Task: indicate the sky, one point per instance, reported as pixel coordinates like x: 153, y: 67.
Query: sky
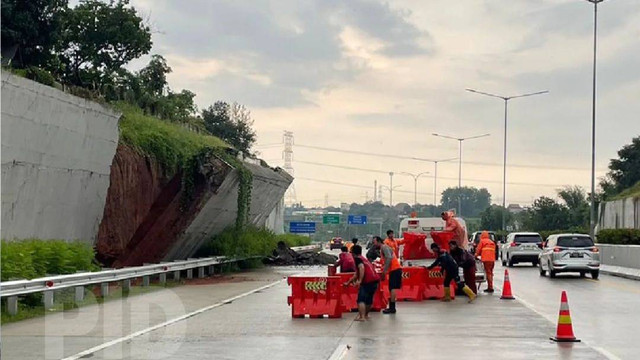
x: 381, y: 77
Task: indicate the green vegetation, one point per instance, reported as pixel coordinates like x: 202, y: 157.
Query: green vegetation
x: 168, y: 143
x: 34, y: 258
x: 633, y: 192
x: 250, y: 241
x: 619, y: 236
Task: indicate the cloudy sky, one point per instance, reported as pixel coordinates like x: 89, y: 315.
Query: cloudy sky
x: 381, y: 77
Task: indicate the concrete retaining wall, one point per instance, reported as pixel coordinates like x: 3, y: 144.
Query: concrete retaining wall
x: 620, y: 255
x: 620, y: 214
x: 56, y: 155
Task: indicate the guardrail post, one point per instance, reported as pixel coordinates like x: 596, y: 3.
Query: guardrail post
x: 104, y: 289
x: 189, y: 273
x: 201, y: 272
x: 162, y: 278
x: 47, y: 299
x: 79, y: 294
x: 126, y: 285
x: 146, y: 280
x: 212, y: 270
x: 176, y: 275
x: 12, y: 305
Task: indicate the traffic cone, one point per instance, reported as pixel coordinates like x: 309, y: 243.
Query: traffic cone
x: 506, y: 287
x: 564, y: 333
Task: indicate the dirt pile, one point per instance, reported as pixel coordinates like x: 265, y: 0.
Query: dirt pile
x: 285, y: 256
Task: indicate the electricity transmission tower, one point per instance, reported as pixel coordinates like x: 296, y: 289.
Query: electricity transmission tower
x: 287, y: 155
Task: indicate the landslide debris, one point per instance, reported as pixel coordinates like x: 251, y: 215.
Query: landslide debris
x: 285, y: 256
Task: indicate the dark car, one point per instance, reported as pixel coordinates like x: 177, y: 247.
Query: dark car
x: 336, y: 243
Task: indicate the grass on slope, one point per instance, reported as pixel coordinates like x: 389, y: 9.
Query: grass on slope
x: 169, y: 143
x: 633, y: 191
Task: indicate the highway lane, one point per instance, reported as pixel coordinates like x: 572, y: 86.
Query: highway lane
x: 605, y: 312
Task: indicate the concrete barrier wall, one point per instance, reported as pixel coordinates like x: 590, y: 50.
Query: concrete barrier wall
x: 56, y: 155
x: 620, y: 255
x: 620, y: 214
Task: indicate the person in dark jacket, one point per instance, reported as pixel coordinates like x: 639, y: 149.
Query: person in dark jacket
x: 468, y: 264
x: 450, y: 269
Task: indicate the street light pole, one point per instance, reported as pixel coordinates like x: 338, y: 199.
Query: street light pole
x: 415, y: 184
x: 390, y: 191
x: 460, y: 140
x: 504, y: 161
x: 391, y: 188
x: 592, y: 208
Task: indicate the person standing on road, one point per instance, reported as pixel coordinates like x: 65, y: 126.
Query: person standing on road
x: 467, y: 262
x: 452, y: 224
x: 486, y: 250
x: 391, y: 266
x: 367, y: 279
x: 346, y: 261
x: 450, y: 269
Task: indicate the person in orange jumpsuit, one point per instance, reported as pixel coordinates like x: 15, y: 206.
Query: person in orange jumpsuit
x: 486, y: 250
x: 453, y: 225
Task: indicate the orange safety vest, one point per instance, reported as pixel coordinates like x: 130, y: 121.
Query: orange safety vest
x: 486, y: 250
x: 393, y: 244
x: 395, y: 263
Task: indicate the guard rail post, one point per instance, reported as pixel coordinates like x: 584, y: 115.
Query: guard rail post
x: 189, y: 273
x: 146, y: 280
x: 104, y: 289
x: 126, y: 285
x: 12, y: 305
x: 176, y: 275
x: 201, y: 272
x: 47, y: 299
x: 79, y: 294
x: 162, y: 278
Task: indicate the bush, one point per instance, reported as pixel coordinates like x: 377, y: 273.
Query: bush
x: 250, y: 241
x: 619, y: 236
x: 39, y: 75
x: 34, y: 258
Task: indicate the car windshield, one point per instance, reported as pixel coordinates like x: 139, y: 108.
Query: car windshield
x: 575, y: 241
x: 527, y: 239
x: 492, y: 236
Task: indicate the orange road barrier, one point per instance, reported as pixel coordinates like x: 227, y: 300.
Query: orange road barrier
x: 442, y: 238
x: 434, y: 284
x: 380, y: 301
x: 564, y: 332
x: 506, y: 287
x: 413, y: 284
x: 349, y: 297
x: 315, y: 296
x: 415, y: 246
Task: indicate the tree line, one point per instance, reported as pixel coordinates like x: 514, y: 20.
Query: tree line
x: 86, y: 48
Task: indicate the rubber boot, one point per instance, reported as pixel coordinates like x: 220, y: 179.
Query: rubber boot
x: 467, y: 290
x: 447, y: 295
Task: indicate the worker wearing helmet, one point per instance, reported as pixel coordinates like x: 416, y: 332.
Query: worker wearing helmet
x: 459, y: 232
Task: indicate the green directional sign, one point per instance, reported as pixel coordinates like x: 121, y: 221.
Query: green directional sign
x: 331, y: 219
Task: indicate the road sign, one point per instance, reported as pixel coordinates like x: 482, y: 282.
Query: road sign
x: 302, y: 227
x: 331, y: 219
x: 357, y: 219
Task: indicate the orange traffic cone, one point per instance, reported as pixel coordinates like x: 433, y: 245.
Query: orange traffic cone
x: 506, y: 287
x: 564, y: 333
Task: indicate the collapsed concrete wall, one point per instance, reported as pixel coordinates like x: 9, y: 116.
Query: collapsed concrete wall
x: 220, y: 210
x: 56, y: 155
x: 620, y: 214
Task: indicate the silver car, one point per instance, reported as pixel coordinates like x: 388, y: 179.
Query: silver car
x: 521, y: 247
x: 570, y: 253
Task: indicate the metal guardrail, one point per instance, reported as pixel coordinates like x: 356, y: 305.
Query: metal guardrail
x: 49, y: 284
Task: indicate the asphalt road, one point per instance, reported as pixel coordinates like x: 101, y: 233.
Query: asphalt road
x: 251, y: 320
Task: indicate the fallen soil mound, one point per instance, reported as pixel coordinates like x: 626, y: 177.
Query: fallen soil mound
x: 285, y: 256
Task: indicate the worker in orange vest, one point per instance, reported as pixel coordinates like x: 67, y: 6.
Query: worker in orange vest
x: 453, y: 225
x: 391, y: 266
x: 486, y: 250
x: 394, y: 243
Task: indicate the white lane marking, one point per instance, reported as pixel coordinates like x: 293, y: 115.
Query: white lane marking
x: 553, y: 320
x: 166, y: 323
x: 340, y: 352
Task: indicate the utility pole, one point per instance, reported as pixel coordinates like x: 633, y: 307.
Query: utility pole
x: 391, y: 189
x: 375, y: 190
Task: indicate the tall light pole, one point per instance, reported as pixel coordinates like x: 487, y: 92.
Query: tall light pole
x: 460, y: 140
x: 504, y: 159
x: 415, y: 185
x: 592, y: 209
x: 390, y: 191
x: 391, y: 188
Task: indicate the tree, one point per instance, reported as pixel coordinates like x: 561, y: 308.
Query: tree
x: 154, y: 76
x: 231, y: 123
x: 546, y: 214
x: 98, y: 38
x: 474, y: 200
x: 491, y: 217
x: 33, y: 27
x: 624, y: 172
x: 575, y: 198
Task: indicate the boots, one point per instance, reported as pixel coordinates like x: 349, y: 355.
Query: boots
x: 447, y: 295
x: 467, y: 290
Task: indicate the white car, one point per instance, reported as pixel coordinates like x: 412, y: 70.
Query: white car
x: 521, y: 247
x: 570, y: 253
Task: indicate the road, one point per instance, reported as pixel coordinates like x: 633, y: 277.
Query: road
x: 233, y: 320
